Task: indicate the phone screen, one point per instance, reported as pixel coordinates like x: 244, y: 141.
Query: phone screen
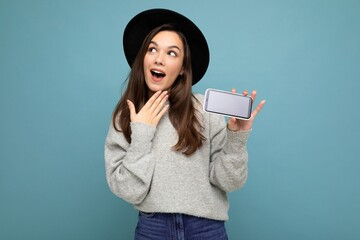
x: 228, y: 103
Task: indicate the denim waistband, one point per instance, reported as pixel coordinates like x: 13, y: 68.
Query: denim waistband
x: 177, y: 226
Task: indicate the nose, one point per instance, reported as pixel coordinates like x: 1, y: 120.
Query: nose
x: 159, y: 60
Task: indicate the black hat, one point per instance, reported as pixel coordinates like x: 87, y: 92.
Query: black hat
x: 138, y: 27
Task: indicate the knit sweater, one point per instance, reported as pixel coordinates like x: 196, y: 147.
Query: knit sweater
x: 155, y: 178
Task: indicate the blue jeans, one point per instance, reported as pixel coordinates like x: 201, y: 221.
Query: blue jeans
x: 174, y: 226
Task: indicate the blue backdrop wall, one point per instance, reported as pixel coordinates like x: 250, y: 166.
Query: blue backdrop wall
x: 61, y: 72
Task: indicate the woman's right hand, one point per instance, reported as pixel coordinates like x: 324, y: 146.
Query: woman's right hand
x: 152, y: 111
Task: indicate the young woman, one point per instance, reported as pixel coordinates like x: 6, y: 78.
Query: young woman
x: 163, y: 153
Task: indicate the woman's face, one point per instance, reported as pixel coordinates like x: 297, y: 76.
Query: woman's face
x: 163, y: 61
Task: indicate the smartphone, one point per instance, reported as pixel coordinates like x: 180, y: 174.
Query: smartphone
x: 228, y: 104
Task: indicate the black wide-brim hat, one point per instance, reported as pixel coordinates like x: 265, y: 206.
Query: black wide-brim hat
x: 139, y: 26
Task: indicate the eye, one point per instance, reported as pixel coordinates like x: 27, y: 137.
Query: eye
x: 152, y: 49
x: 172, y: 53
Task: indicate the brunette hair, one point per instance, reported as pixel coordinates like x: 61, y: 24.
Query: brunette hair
x: 182, y: 112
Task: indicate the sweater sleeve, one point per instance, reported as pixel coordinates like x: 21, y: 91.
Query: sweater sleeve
x: 130, y: 167
x: 228, y: 155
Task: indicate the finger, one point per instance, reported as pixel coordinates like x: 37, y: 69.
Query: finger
x: 159, y: 101
x: 233, y: 90
x: 258, y: 108
x: 232, y: 123
x: 245, y: 92
x: 161, y: 113
x: 160, y: 105
x: 131, y: 108
x: 151, y: 101
x: 232, y: 120
x: 253, y: 95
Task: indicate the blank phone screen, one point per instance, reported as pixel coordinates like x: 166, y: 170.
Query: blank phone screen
x: 228, y: 104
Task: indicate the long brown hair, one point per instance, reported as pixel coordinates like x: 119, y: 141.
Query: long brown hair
x: 182, y: 112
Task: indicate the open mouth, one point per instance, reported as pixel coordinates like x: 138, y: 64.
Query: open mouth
x: 157, y: 74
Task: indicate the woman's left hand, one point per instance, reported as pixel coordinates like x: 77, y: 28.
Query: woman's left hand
x: 235, y: 124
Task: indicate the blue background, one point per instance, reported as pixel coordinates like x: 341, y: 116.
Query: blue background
x: 61, y: 73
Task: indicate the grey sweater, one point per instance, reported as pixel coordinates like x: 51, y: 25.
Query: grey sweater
x: 155, y: 178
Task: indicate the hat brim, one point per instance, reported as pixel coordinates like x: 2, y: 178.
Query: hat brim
x: 139, y: 26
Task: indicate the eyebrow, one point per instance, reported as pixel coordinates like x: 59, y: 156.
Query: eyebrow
x: 173, y: 46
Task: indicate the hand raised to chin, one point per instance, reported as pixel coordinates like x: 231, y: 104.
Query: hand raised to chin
x: 152, y: 111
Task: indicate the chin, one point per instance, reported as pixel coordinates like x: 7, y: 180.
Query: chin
x: 155, y: 88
